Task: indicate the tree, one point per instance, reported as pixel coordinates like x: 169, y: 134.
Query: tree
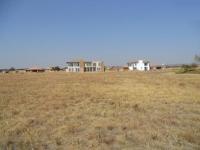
x: 56, y: 68
x: 197, y: 58
x: 12, y: 69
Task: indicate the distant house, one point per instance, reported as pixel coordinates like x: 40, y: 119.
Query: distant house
x: 84, y: 66
x: 140, y: 65
x: 35, y: 69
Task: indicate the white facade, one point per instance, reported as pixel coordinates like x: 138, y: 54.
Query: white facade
x: 84, y: 66
x: 73, y: 67
x: 139, y: 65
x: 93, y: 66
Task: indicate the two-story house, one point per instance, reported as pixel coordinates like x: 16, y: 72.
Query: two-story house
x: 84, y: 66
x: 140, y: 65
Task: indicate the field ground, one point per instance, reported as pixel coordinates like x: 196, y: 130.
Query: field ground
x: 121, y: 110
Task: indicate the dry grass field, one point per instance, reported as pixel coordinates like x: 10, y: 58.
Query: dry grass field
x: 121, y: 110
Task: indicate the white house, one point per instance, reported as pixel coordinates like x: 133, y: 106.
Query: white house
x: 85, y: 66
x: 139, y: 65
x: 73, y: 66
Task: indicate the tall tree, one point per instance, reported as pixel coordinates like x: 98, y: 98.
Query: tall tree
x: 197, y: 58
x: 56, y: 68
x: 12, y: 69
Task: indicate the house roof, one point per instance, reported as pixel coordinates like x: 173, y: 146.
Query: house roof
x: 132, y: 62
x: 81, y: 60
x: 75, y: 60
x: 35, y: 68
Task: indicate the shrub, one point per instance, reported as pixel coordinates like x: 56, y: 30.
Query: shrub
x: 188, y: 69
x: 12, y: 69
x: 56, y: 68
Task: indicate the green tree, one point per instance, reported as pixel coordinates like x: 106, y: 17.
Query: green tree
x: 56, y: 68
x: 197, y: 58
x: 12, y: 69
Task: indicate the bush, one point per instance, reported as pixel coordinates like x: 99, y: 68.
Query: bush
x: 188, y: 69
x: 12, y: 69
x: 57, y: 68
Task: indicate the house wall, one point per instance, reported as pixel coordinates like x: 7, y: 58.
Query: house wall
x: 131, y: 68
x: 140, y: 65
x: 81, y: 66
x: 73, y: 67
x: 94, y: 66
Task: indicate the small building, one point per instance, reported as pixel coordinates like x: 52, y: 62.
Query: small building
x: 140, y: 65
x: 84, y: 66
x: 35, y: 69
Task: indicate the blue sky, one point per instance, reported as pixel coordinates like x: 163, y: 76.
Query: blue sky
x: 50, y: 32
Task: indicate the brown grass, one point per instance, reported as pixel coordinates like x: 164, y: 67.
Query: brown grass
x: 122, y: 110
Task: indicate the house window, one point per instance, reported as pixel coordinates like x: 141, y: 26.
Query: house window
x: 75, y: 64
x: 87, y: 64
